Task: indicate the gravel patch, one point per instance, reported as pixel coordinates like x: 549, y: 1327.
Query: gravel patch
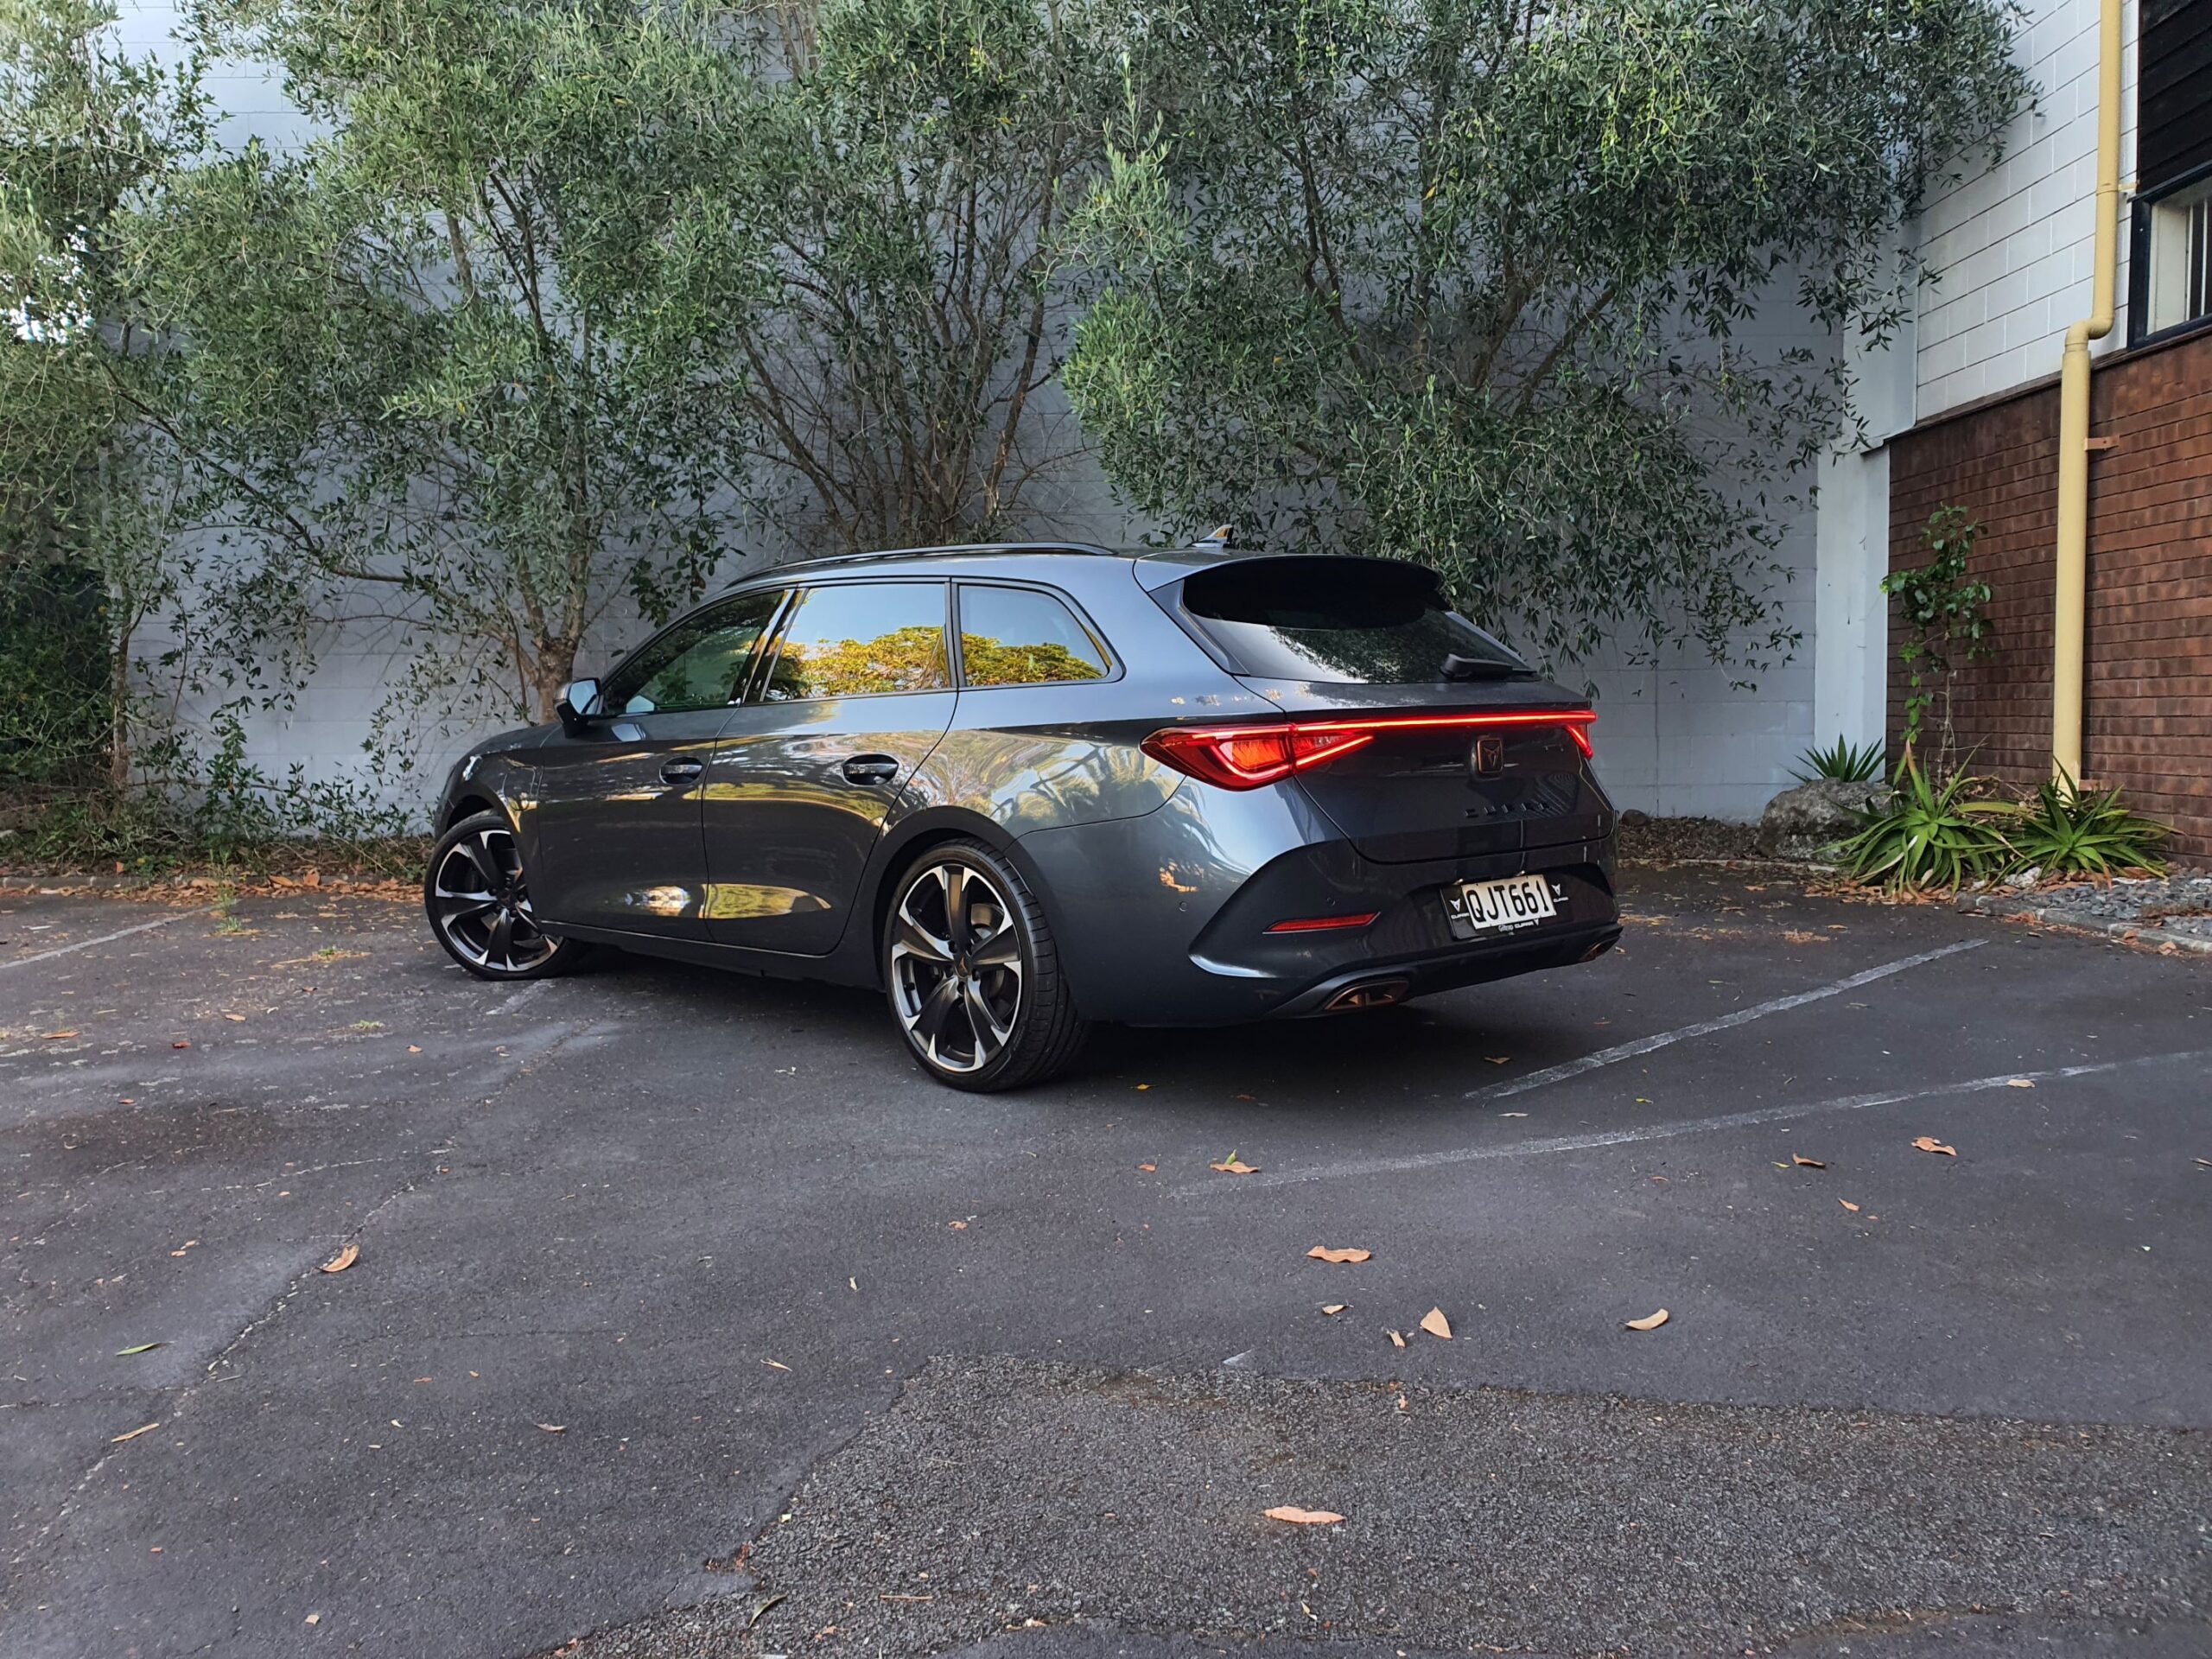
x: 2173, y: 910
x: 1002, y: 1495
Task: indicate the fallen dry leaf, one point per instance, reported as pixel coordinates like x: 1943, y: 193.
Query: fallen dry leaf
x: 1323, y: 1253
x: 1398, y: 1340
x: 235, y: 1018
x: 1930, y: 1143
x: 134, y: 1435
x: 2020, y: 1083
x: 179, y: 1043
x: 1849, y: 1205
x: 1436, y: 1324
x: 345, y: 1259
x: 1649, y: 1322
x: 58, y: 1036
x: 554, y: 1428
x: 1299, y: 1517
x: 775, y: 1364
x: 1804, y: 1162
x: 1499, y: 1059
x: 957, y: 1226
x: 1233, y: 1164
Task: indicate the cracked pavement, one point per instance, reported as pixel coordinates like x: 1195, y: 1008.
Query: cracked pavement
x: 653, y: 1257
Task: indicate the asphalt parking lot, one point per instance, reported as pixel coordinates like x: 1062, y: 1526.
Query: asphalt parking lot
x: 688, y: 1319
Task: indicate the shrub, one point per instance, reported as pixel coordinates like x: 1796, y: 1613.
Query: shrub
x: 1844, y: 762
x: 2068, y: 830
x: 1932, y: 835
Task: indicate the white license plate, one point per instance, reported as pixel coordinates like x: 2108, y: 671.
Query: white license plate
x: 1517, y: 901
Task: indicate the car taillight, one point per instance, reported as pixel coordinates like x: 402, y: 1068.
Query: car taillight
x: 1247, y: 757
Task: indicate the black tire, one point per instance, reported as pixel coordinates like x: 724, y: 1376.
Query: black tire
x: 981, y: 1003
x: 479, y: 904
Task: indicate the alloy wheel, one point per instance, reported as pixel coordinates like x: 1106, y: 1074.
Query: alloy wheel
x: 481, y: 906
x: 956, y: 967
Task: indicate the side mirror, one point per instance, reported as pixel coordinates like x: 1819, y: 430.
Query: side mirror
x: 579, y: 702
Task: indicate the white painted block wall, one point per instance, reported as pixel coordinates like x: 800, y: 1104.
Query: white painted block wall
x: 1676, y: 736
x: 2013, y: 243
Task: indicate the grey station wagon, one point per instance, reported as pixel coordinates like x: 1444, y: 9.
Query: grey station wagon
x: 1025, y: 788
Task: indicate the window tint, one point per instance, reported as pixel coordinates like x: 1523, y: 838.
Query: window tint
x: 863, y: 639
x: 698, y: 663
x: 1341, y: 621
x: 1016, y: 636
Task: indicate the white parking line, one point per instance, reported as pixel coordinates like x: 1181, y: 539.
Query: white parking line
x: 1687, y: 1126
x: 105, y: 939
x: 1621, y: 1052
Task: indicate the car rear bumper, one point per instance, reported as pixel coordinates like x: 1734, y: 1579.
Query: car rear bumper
x: 1378, y: 984
x: 1164, y: 919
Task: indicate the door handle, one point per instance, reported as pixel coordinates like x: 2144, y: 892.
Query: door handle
x: 681, y: 772
x: 870, y: 769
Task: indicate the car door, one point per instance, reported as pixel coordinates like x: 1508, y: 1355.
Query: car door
x: 855, y: 692
x: 617, y: 818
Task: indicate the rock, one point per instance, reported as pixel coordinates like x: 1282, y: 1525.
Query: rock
x: 1807, y: 822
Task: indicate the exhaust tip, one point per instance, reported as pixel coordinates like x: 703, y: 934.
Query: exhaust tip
x: 1597, y: 950
x: 1371, y: 994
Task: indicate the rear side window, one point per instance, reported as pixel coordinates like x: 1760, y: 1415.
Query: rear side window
x: 1341, y: 621
x: 1017, y: 636
x: 863, y: 639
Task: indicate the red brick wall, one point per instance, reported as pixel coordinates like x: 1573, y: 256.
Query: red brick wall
x: 2149, y: 694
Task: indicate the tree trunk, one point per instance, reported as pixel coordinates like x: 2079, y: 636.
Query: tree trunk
x: 118, y: 714
x: 555, y: 665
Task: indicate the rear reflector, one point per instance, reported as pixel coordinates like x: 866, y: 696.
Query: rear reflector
x: 1321, y: 923
x: 1247, y: 757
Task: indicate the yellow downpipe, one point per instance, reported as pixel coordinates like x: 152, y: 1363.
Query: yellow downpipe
x: 2070, y: 612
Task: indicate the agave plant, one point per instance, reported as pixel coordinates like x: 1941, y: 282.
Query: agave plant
x: 2069, y: 830
x: 1845, y: 761
x: 1932, y: 835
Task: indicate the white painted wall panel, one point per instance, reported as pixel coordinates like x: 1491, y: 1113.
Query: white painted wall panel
x: 2012, y: 245
x: 1674, y: 736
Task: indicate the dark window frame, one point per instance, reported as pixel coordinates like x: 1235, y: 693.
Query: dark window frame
x: 2139, y: 262
x: 1082, y: 619
x: 756, y: 693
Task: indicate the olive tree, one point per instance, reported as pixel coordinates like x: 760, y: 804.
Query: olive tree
x: 905, y: 180
x: 1469, y: 280
x: 452, y: 362
x: 85, y: 132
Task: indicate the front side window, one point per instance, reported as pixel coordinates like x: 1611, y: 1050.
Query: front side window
x: 698, y: 663
x: 863, y: 639
x: 1017, y: 636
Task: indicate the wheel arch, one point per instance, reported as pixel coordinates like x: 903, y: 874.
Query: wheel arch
x: 910, y: 840
x: 468, y: 803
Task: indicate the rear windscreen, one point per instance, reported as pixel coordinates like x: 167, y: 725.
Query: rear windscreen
x: 1365, y: 621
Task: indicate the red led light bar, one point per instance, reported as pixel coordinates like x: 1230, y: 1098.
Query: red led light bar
x: 1321, y: 924
x: 1248, y: 757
